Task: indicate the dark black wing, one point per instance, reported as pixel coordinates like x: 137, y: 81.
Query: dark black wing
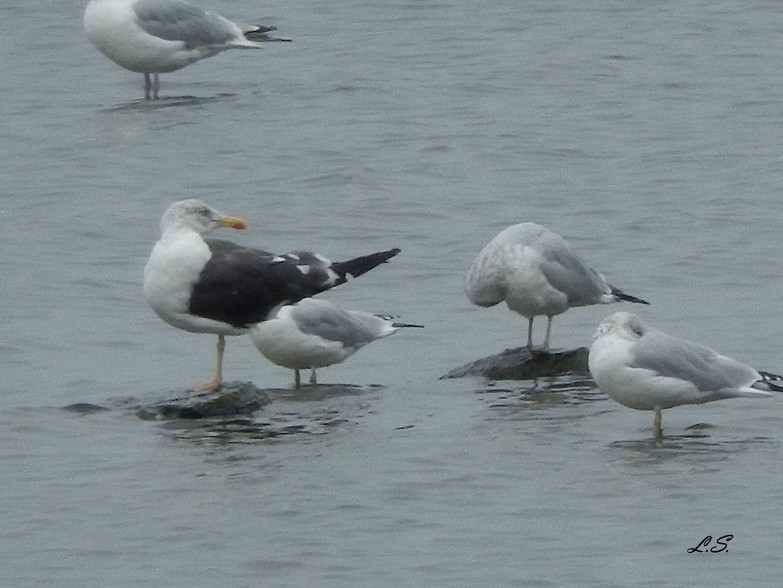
x: 241, y: 286
x: 338, y: 272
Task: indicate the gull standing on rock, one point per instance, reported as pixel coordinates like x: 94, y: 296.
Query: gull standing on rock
x: 645, y: 369
x: 161, y: 36
x: 537, y: 273
x: 317, y: 333
x: 214, y: 286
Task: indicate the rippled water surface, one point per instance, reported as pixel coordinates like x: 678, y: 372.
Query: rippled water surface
x: 648, y: 134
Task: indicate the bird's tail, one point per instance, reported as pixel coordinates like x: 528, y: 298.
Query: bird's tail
x: 627, y: 297
x: 357, y: 266
x: 260, y: 34
x: 773, y: 381
x: 389, y: 318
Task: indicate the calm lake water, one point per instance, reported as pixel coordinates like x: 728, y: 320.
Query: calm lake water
x: 648, y: 134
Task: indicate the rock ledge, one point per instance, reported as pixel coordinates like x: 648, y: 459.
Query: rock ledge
x: 230, y: 399
x: 522, y: 364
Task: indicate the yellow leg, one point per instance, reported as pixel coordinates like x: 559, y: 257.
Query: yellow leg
x: 221, y: 347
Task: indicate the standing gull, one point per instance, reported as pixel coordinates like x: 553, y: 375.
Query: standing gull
x: 214, y: 286
x: 317, y: 333
x: 537, y: 273
x: 160, y: 36
x: 646, y: 369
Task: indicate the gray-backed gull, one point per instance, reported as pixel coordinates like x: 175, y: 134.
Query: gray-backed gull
x: 317, y: 333
x: 646, y: 369
x: 160, y: 36
x: 537, y: 273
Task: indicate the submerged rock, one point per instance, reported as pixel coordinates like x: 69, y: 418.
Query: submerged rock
x: 230, y: 399
x: 522, y: 364
x: 84, y: 408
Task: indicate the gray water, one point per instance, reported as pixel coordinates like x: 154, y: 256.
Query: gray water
x: 647, y: 133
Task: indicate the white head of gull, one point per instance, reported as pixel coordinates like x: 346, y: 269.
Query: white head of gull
x: 645, y: 369
x: 207, y: 285
x: 160, y: 36
x: 536, y: 273
x: 317, y: 333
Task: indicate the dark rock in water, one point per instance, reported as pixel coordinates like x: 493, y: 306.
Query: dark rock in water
x: 230, y: 399
x: 84, y: 408
x: 522, y: 364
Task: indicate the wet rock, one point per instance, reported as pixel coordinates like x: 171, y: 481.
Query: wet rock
x: 84, y: 408
x: 314, y: 410
x: 229, y: 400
x: 522, y: 364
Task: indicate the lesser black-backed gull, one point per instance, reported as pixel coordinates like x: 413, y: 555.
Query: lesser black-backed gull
x: 161, y: 36
x: 317, y: 333
x: 215, y: 286
x: 645, y: 369
x: 537, y: 273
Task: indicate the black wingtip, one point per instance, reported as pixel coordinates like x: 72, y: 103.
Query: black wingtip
x: 774, y: 381
x: 407, y: 326
x: 627, y: 297
x: 361, y: 265
x: 260, y: 33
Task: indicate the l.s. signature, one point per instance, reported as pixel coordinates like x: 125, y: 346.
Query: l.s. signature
x: 721, y: 544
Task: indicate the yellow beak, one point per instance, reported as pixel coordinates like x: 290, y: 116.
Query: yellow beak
x: 232, y: 222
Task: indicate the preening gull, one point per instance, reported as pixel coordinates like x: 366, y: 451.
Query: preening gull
x: 160, y: 36
x: 646, y: 369
x: 537, y: 273
x: 214, y: 286
x: 317, y: 333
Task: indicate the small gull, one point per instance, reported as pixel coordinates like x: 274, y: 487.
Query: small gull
x: 317, y: 333
x: 215, y: 286
x: 161, y: 36
x: 537, y: 273
x: 646, y: 369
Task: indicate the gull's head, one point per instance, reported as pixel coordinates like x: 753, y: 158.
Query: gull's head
x: 197, y: 216
x: 621, y: 324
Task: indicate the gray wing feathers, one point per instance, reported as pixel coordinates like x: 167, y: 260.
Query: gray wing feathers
x: 333, y: 323
x: 532, y: 244
x: 178, y: 21
x: 676, y: 358
x: 568, y: 273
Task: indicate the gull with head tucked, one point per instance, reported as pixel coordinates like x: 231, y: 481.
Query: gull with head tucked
x: 536, y: 273
x: 160, y: 36
x: 645, y: 369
